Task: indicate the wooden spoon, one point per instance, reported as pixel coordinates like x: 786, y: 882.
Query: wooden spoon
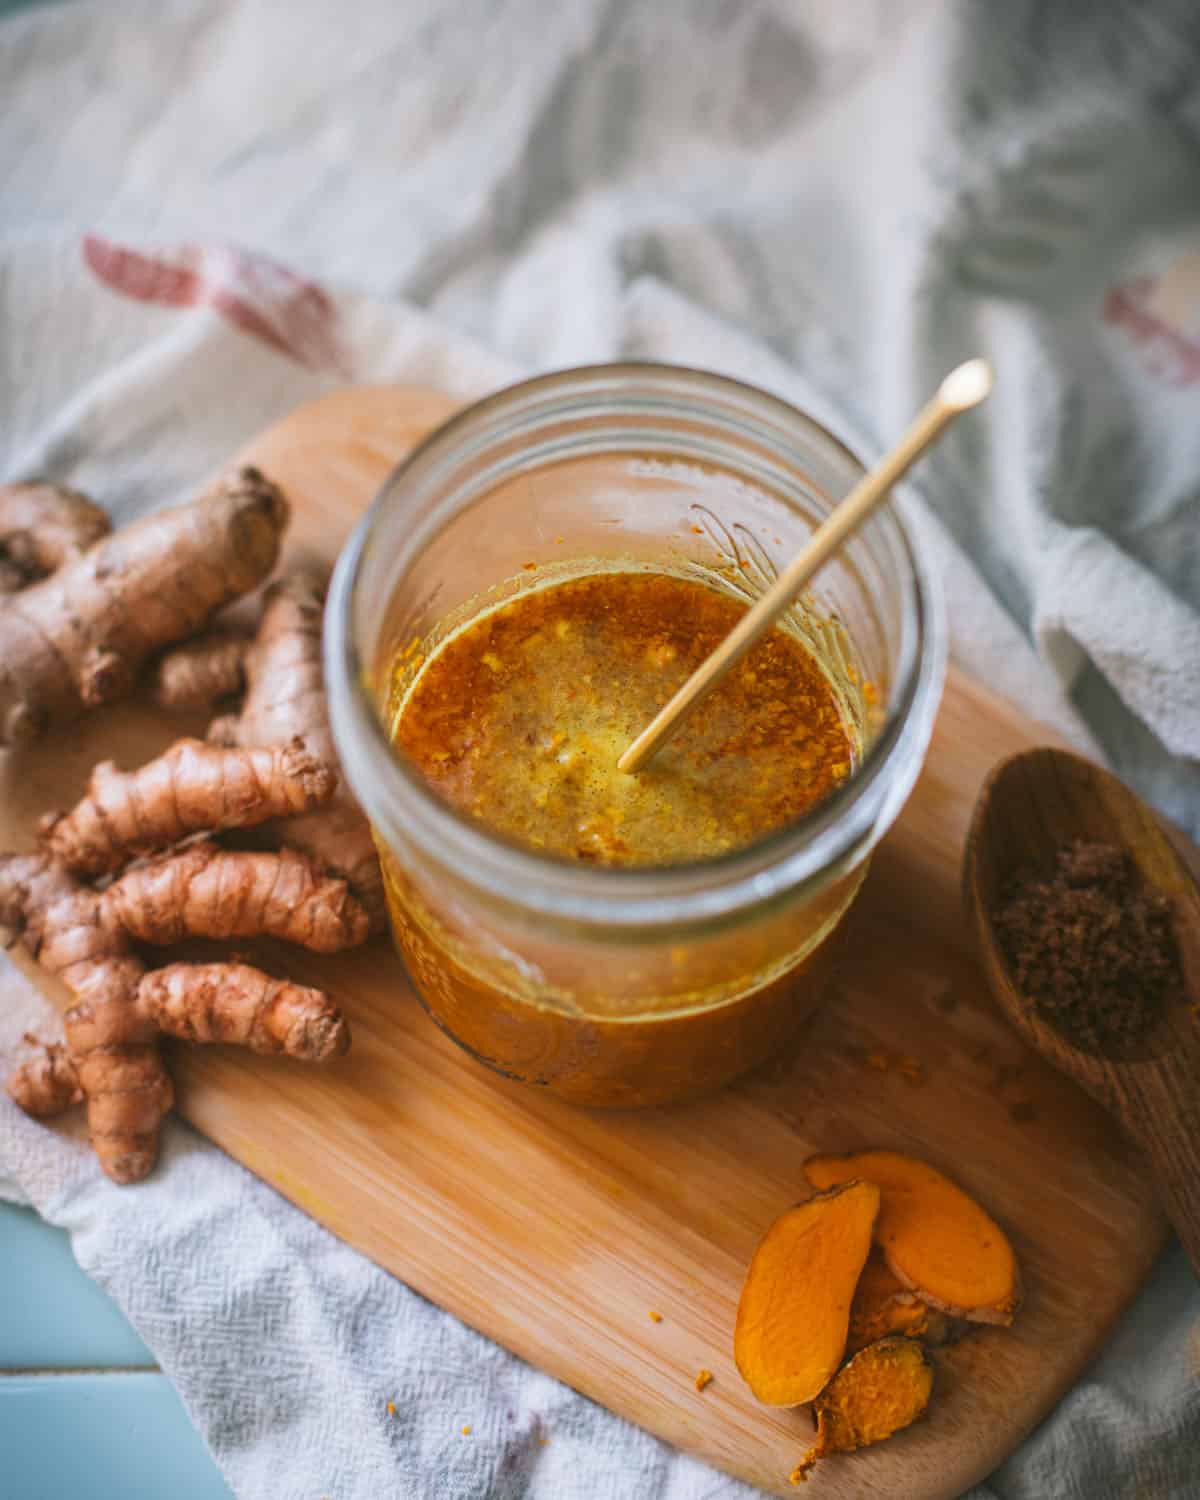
x: 1029, y: 807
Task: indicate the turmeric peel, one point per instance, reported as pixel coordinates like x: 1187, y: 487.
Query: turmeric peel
x: 935, y: 1239
x: 882, y: 1390
x: 794, y: 1312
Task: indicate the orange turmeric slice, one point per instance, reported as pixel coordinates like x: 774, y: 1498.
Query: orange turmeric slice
x: 794, y: 1312
x: 935, y: 1239
x: 883, y: 1305
x: 884, y: 1388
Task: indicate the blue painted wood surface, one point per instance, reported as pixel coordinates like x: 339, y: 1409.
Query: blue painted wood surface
x: 110, y: 1437
x: 112, y: 1433
x: 52, y: 1317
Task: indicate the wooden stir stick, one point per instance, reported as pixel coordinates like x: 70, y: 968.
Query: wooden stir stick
x: 962, y: 389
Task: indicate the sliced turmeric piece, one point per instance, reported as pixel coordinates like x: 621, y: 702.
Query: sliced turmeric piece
x: 935, y: 1239
x: 883, y: 1306
x: 884, y: 1388
x: 794, y: 1312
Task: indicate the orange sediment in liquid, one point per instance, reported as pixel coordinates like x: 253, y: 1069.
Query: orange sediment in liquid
x: 519, y: 717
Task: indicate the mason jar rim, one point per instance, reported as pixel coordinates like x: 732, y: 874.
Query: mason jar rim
x: 828, y: 840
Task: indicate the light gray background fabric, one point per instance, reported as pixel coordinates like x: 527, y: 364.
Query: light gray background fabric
x: 836, y: 201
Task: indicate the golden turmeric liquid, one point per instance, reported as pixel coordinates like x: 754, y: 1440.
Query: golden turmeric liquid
x: 519, y: 719
x: 516, y: 718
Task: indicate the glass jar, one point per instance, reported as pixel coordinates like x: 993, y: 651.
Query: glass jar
x: 613, y: 986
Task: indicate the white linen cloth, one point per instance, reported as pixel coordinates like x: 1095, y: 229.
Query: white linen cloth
x: 837, y: 202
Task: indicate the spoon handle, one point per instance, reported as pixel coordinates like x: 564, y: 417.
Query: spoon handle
x: 1160, y: 1104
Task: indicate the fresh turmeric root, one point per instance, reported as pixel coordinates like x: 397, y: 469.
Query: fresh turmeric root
x: 81, y: 613
x: 794, y: 1313
x: 49, y: 1083
x: 221, y: 1002
x: 112, y: 1048
x: 43, y: 527
x: 111, y: 1059
x: 210, y: 892
x: 882, y: 1390
x: 202, y: 672
x: 935, y: 1239
x: 239, y: 1004
x: 284, y: 697
x: 78, y: 638
x: 191, y: 788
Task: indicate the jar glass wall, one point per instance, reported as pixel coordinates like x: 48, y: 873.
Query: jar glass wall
x: 625, y: 986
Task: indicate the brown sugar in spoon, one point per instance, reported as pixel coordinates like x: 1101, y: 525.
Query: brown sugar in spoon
x: 1029, y: 808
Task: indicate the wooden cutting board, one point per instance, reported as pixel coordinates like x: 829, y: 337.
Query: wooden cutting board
x: 556, y: 1231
